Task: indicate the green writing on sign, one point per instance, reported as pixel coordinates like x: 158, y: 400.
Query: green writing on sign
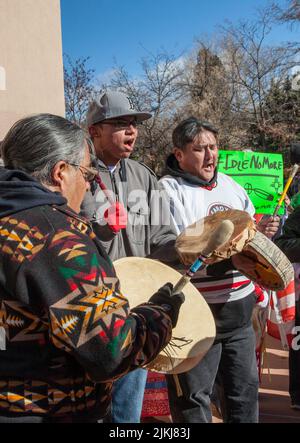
x: 260, y: 174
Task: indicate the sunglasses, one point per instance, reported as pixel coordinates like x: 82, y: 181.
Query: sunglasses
x: 89, y: 173
x: 121, y: 123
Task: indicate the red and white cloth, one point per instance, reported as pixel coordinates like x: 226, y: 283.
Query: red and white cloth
x: 281, y: 319
x: 262, y: 296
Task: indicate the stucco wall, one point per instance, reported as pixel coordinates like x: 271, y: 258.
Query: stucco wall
x: 31, y: 70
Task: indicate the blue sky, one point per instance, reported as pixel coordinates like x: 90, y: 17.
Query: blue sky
x: 123, y: 30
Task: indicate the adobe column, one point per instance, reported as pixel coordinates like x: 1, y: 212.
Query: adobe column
x: 31, y: 66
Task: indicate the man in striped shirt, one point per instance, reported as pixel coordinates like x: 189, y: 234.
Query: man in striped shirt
x: 196, y: 189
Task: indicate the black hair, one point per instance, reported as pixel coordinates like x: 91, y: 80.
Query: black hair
x: 187, y: 130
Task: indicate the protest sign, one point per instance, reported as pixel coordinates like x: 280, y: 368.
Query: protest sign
x: 260, y: 174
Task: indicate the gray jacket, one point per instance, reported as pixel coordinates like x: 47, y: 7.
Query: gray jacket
x: 149, y: 230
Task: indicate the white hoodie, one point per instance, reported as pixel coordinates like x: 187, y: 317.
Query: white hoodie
x: 188, y: 204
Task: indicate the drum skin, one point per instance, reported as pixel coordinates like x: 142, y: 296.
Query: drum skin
x: 195, y: 331
x: 194, y: 239
x: 273, y: 270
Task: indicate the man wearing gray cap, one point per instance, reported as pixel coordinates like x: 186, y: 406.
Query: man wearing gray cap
x: 123, y: 213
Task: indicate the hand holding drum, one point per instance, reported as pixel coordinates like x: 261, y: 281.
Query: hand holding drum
x: 194, y: 331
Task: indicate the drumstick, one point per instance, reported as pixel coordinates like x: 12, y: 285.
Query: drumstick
x: 220, y: 236
x: 99, y: 181
x: 286, y: 188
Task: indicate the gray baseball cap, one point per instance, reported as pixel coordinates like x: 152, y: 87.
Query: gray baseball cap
x: 112, y: 104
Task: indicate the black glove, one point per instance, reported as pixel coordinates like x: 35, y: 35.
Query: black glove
x: 171, y: 303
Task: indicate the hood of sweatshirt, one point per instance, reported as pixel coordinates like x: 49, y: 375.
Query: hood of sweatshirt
x: 20, y: 191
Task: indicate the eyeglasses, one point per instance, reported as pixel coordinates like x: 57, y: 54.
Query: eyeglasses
x: 121, y: 123
x: 89, y: 173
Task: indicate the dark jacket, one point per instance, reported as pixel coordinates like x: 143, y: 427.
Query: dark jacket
x: 69, y: 330
x: 289, y: 240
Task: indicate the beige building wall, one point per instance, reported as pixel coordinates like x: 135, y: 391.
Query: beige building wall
x: 31, y: 67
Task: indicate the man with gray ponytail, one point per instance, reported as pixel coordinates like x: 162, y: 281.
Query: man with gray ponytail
x: 68, y: 329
